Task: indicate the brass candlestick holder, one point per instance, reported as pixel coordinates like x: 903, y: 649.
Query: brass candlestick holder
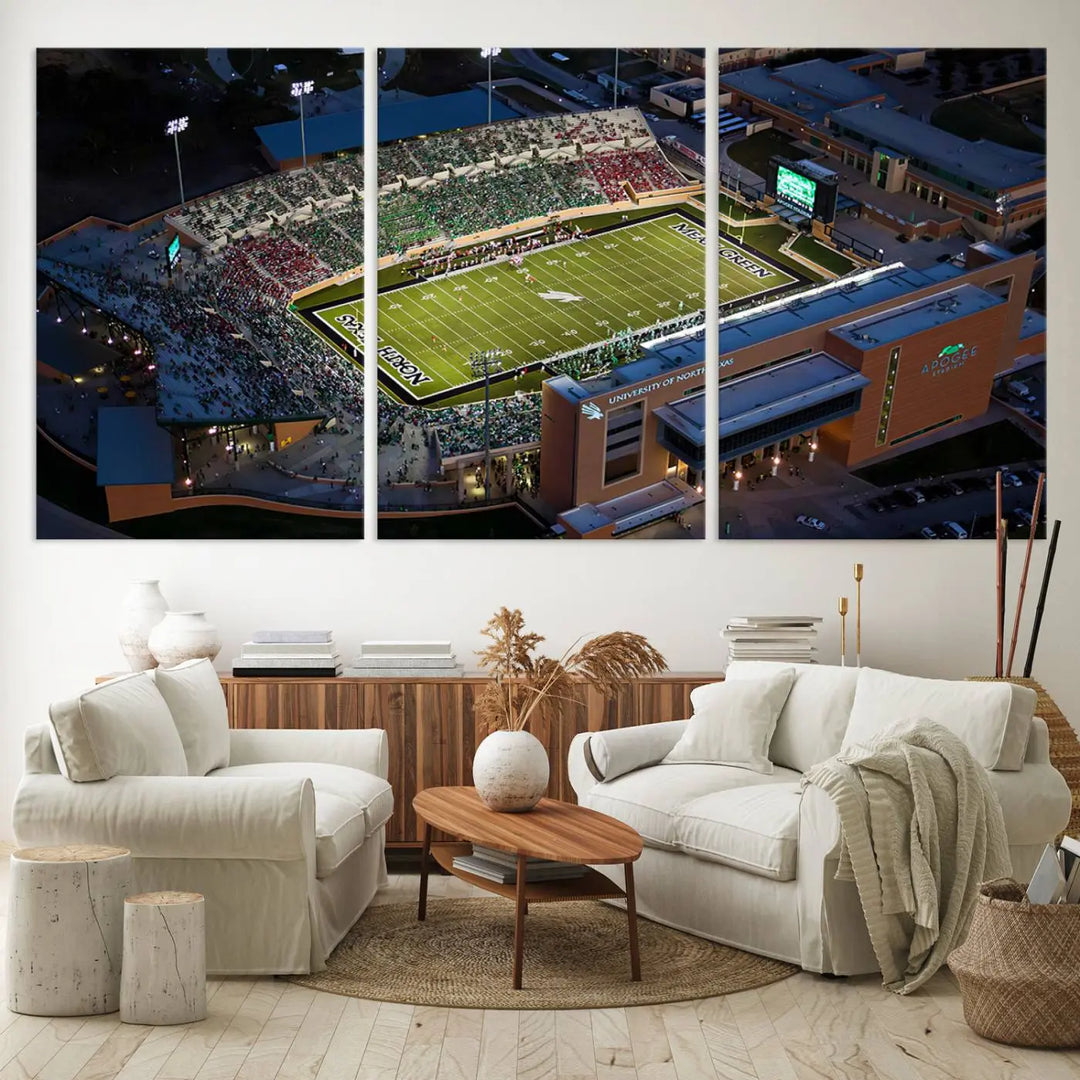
x: 842, y: 607
x: 858, y: 614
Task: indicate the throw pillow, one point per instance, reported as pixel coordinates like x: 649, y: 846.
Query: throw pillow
x: 992, y: 719
x: 733, y: 722
x: 815, y: 716
x: 121, y: 728
x: 193, y: 693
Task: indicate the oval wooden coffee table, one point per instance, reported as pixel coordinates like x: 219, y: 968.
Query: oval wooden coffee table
x: 551, y: 830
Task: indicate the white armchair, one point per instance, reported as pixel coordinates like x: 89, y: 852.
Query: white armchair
x: 286, y: 842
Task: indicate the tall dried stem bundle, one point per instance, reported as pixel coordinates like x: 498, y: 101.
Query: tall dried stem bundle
x: 527, y: 684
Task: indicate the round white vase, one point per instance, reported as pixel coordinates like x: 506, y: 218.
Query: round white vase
x: 184, y: 635
x: 510, y: 770
x: 143, y: 608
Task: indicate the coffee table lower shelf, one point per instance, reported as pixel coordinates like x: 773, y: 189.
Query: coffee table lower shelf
x: 591, y: 886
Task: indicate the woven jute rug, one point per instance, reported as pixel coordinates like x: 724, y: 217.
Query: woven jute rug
x: 1064, y: 744
x: 577, y: 956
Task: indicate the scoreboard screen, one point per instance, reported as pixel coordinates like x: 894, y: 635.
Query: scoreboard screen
x: 798, y: 189
x: 172, y: 252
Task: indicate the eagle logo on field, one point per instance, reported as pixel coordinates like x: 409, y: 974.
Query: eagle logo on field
x: 560, y: 297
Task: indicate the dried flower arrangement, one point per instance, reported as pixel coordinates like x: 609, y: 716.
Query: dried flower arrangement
x: 526, y: 684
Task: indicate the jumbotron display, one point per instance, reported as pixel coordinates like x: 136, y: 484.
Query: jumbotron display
x: 799, y: 189
x: 803, y: 185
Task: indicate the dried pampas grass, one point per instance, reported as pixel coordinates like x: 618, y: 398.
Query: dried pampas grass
x: 526, y: 684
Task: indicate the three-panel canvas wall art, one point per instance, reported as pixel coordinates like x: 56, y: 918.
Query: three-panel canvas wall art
x: 537, y: 286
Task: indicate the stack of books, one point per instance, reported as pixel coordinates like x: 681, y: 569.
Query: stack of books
x: 289, y: 654
x: 405, y: 659
x: 1056, y: 879
x: 787, y: 638
x: 501, y: 866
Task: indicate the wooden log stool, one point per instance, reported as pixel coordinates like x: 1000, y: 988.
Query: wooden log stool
x: 64, y: 929
x: 164, y: 976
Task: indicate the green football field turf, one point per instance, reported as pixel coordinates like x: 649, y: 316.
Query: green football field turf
x: 582, y: 293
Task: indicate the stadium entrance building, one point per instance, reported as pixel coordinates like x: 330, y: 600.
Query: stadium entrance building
x: 866, y: 365
x: 627, y: 448
x: 874, y: 363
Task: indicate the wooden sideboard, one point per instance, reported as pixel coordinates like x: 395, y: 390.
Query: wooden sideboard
x: 431, y: 726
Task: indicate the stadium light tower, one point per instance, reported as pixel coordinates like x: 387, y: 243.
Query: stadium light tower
x: 488, y: 52
x: 173, y: 128
x: 483, y: 365
x: 299, y: 89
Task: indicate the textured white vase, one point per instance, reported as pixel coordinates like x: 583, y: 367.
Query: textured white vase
x: 143, y: 608
x: 510, y: 770
x: 184, y: 635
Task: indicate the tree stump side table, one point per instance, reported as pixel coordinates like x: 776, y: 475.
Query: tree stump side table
x: 164, y: 976
x: 64, y: 932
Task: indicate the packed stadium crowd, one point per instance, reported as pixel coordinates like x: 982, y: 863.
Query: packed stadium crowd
x: 206, y: 369
x: 460, y: 428
x: 463, y: 205
x: 413, y: 158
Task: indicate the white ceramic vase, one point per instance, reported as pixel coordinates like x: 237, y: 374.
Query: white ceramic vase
x: 510, y: 770
x: 143, y: 608
x: 184, y: 635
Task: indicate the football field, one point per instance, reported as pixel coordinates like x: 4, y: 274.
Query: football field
x: 554, y: 301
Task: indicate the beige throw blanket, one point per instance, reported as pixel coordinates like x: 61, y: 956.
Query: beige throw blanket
x: 921, y: 829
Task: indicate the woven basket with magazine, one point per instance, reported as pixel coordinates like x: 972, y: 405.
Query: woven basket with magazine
x: 1019, y: 969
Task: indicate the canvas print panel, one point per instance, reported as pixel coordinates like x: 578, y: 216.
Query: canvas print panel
x: 541, y: 299
x: 186, y: 198
x: 882, y: 291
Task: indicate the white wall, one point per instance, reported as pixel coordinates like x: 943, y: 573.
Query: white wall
x: 928, y: 607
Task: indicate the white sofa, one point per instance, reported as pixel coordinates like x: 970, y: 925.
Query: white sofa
x: 283, y: 833
x: 749, y: 859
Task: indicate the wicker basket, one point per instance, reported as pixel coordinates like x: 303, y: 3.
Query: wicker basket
x: 1019, y: 969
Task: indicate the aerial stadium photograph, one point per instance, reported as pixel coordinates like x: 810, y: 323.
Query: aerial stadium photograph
x: 890, y: 381
x: 541, y: 276
x: 177, y: 396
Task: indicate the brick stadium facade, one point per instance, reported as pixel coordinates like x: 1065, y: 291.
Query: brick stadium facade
x: 921, y: 360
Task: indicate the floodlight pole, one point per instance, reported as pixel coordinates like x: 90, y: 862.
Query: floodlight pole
x: 303, y: 140
x: 483, y: 363
x: 173, y: 128
x: 299, y: 89
x: 489, y: 52
x: 615, y: 99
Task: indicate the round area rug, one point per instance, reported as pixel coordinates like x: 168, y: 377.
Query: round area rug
x: 577, y: 956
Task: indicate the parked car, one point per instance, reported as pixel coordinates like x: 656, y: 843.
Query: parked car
x: 1021, y: 516
x: 928, y: 532
x: 953, y: 530
x: 954, y: 487
x: 811, y: 523
x: 877, y: 505
x: 1010, y: 479
x: 1029, y: 476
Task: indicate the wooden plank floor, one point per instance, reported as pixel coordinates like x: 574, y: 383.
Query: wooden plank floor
x: 804, y: 1028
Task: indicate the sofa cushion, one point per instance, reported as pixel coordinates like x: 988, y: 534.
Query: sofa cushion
x: 120, y: 728
x: 192, y: 691
x: 992, y: 719
x: 753, y: 828
x: 366, y: 792
x: 340, y: 828
x: 733, y: 722
x: 811, y: 725
x: 651, y: 800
